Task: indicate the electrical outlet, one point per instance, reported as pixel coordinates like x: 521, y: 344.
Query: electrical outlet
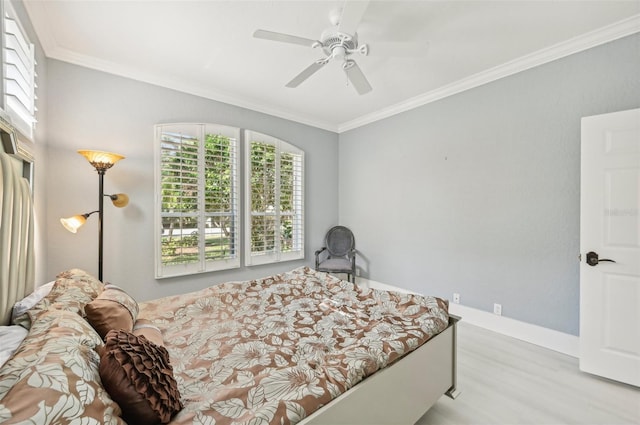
x: 357, y: 272
x: 497, y: 309
x: 456, y: 298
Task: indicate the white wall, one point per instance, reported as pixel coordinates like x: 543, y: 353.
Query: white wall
x: 479, y: 193
x: 95, y: 110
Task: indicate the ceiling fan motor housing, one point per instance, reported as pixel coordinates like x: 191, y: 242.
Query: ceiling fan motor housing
x: 338, y: 44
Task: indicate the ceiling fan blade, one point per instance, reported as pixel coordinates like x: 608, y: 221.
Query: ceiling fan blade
x: 352, y: 13
x: 357, y: 78
x: 285, y: 38
x: 308, y: 72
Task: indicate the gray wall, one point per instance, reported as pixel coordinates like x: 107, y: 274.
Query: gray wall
x: 95, y: 110
x: 479, y: 193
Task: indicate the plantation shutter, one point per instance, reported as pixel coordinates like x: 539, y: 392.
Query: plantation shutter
x: 19, y: 74
x: 291, y: 205
x: 274, y: 198
x: 197, y: 197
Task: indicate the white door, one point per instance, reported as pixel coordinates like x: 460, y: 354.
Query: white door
x: 610, y: 230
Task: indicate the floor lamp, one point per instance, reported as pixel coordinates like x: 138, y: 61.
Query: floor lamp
x: 101, y: 161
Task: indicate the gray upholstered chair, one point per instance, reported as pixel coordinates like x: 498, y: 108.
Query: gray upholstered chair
x: 338, y: 255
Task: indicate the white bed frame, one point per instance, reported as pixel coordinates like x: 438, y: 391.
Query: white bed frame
x: 401, y: 393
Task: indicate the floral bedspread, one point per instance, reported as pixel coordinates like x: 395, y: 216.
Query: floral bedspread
x: 273, y: 350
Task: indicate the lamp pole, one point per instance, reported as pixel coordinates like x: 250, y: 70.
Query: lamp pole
x: 100, y: 217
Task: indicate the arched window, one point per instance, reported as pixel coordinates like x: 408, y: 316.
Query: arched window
x: 274, y: 193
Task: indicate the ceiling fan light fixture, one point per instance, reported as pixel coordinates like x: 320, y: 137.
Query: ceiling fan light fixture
x: 339, y: 52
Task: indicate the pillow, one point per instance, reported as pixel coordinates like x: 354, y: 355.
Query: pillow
x: 113, y: 309
x: 53, y: 376
x: 152, y: 333
x: 71, y: 291
x: 11, y: 337
x: 31, y: 300
x: 138, y: 376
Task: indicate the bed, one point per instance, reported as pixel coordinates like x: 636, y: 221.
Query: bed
x: 298, y: 347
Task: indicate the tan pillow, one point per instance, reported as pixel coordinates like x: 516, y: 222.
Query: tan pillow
x: 113, y: 309
x: 72, y: 290
x: 53, y: 377
x: 152, y: 333
x: 138, y: 376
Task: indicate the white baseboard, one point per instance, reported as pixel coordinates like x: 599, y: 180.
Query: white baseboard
x: 534, y: 334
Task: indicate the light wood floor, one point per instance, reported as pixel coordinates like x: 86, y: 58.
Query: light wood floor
x: 507, y: 381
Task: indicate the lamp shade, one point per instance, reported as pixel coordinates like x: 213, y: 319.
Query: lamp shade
x: 119, y: 200
x: 101, y: 160
x: 72, y: 224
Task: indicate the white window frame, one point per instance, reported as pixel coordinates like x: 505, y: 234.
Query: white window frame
x: 252, y: 259
x: 19, y: 73
x: 203, y: 265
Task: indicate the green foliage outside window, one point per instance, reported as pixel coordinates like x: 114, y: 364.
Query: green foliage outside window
x: 182, y: 199
x: 265, y: 198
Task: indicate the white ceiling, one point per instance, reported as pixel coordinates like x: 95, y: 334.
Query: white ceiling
x: 206, y: 47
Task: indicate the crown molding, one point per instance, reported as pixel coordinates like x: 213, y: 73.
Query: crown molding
x: 577, y: 44
x: 181, y: 86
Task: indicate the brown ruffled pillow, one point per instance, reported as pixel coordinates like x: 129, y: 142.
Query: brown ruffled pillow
x: 138, y: 376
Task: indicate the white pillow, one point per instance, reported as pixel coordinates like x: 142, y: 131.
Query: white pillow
x: 10, y: 339
x: 31, y: 300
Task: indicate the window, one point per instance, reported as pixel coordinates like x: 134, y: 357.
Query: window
x: 198, y: 211
x: 274, y: 200
x: 197, y: 199
x: 19, y: 74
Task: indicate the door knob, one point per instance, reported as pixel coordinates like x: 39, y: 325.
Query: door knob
x: 593, y: 260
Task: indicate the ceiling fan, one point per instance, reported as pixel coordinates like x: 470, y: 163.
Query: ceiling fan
x: 338, y: 42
